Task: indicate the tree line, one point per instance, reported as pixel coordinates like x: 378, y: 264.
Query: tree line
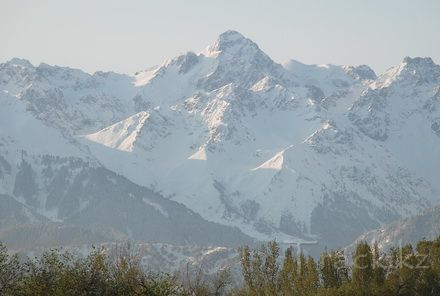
x: 401, y: 271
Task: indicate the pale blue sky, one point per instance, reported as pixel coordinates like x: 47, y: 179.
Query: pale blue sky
x: 126, y: 36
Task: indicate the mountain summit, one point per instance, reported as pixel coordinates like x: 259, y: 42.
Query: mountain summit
x: 230, y: 42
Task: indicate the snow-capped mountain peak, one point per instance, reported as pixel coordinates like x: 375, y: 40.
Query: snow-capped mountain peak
x: 20, y: 62
x: 240, y: 61
x: 361, y: 72
x: 230, y: 42
x: 422, y: 62
x: 411, y: 71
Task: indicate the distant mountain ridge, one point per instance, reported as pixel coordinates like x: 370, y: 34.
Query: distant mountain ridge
x: 410, y: 230
x: 225, y: 139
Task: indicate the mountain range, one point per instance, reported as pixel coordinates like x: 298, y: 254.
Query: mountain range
x: 220, y: 147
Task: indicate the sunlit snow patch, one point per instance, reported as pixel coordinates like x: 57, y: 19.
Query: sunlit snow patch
x: 275, y: 163
x: 121, y: 135
x: 199, y: 155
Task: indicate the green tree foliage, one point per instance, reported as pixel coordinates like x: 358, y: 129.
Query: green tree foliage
x: 401, y: 271
x: 288, y: 274
x: 10, y: 272
x: 362, y: 268
x: 311, y: 279
x: 261, y: 269
x: 333, y: 269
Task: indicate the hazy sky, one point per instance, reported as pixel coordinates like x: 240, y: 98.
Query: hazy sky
x: 126, y: 36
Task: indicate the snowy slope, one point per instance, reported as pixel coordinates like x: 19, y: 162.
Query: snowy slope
x: 51, y: 187
x: 68, y: 98
x: 402, y: 111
